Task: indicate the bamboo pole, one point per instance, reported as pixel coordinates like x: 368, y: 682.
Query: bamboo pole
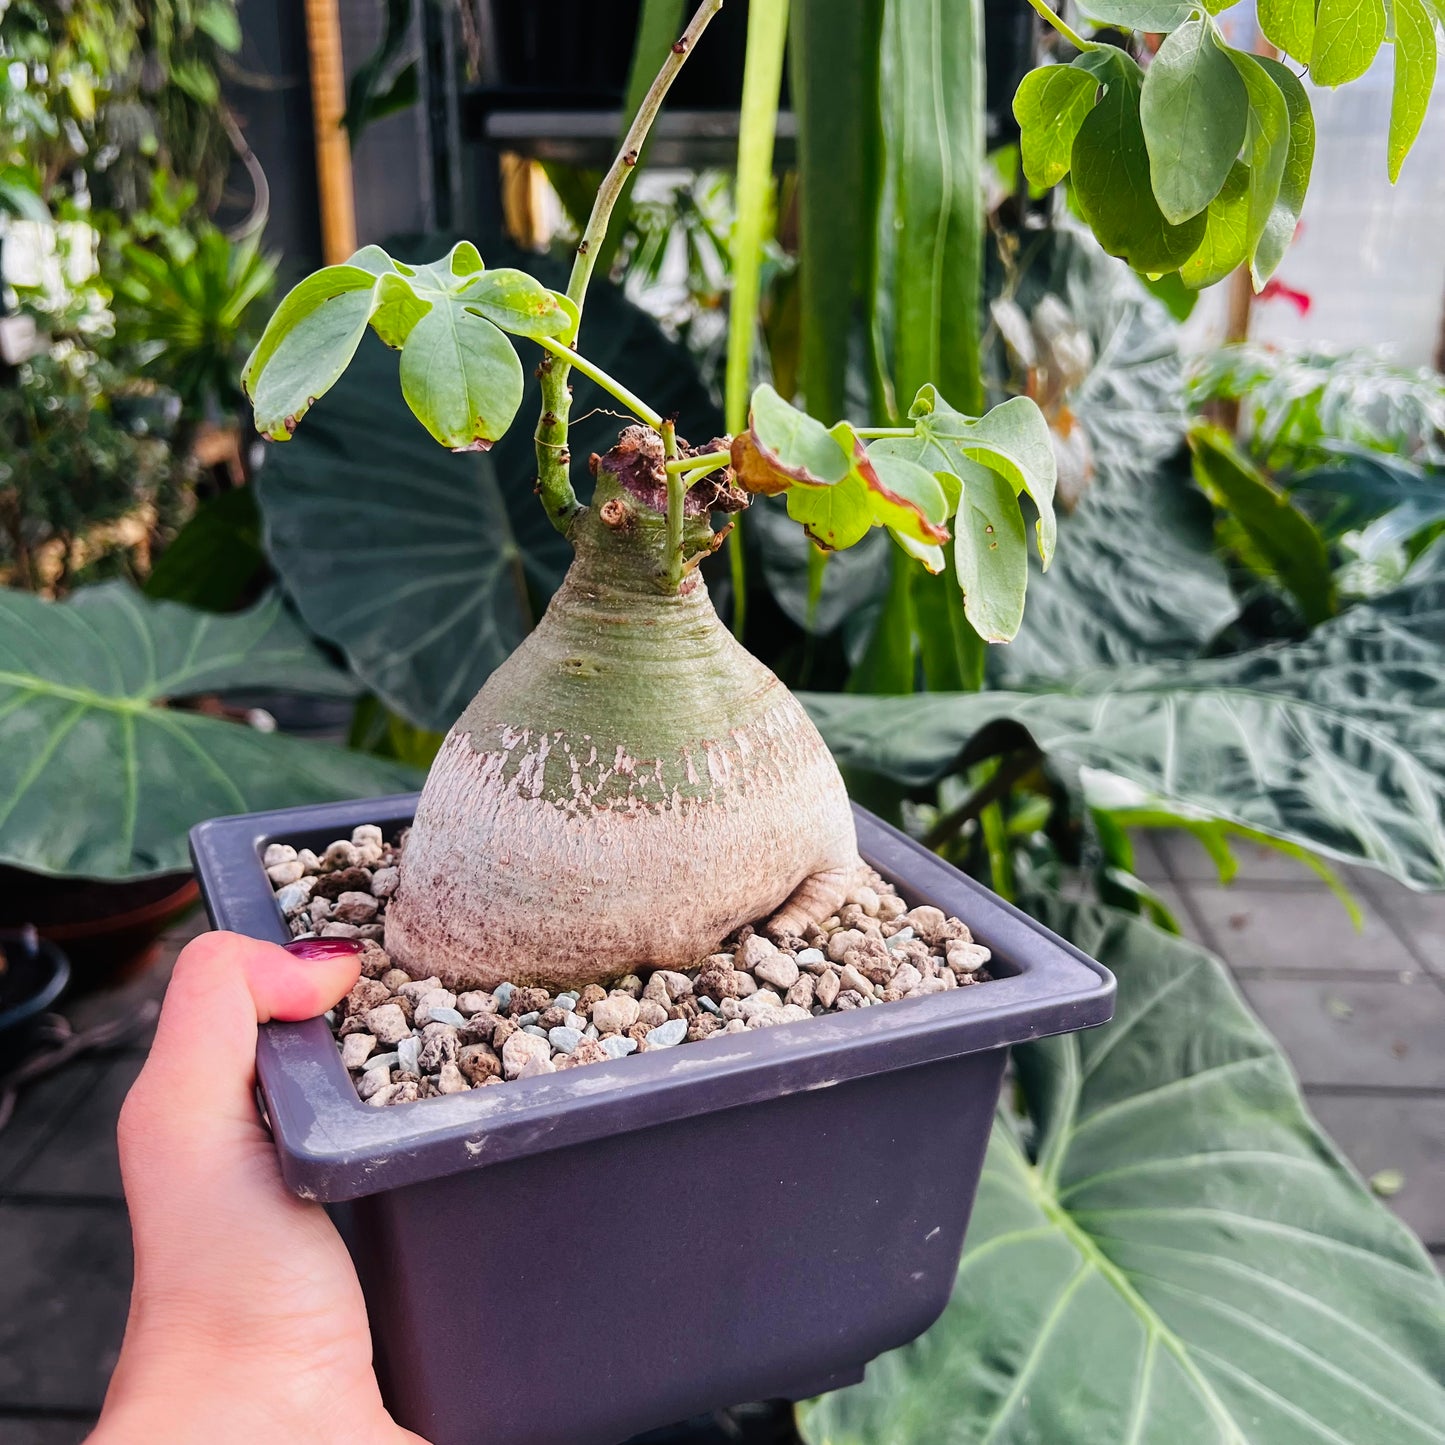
x: 333, y: 150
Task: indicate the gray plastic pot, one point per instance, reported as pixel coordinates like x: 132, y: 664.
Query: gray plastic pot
x: 580, y: 1257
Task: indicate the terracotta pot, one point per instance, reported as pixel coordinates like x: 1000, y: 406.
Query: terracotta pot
x: 109, y: 929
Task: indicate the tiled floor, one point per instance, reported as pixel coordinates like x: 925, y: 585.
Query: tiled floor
x: 1362, y: 1016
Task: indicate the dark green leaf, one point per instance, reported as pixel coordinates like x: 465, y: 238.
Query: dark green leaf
x: 1050, y: 106
x: 461, y: 378
x: 1348, y: 36
x: 1276, y: 528
x: 818, y: 600
x: 933, y: 127
x: 1177, y: 1254
x: 951, y: 652
x: 1268, y: 145
x: 1283, y: 219
x: 1417, y: 53
x: 216, y: 559
x: 833, y: 52
x: 1333, y: 742
x: 1226, y: 233
x: 1111, y: 175
x: 99, y: 777
x: 1194, y: 111
x: 380, y: 84
x: 1289, y: 25
x: 887, y: 662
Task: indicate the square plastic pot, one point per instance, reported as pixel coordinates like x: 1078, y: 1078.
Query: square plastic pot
x: 580, y: 1257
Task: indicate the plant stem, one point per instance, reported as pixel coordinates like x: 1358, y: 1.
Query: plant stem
x: 757, y: 125
x: 553, y: 459
x: 706, y: 461
x: 872, y: 433
x: 608, y: 383
x: 676, y: 498
x: 1062, y: 26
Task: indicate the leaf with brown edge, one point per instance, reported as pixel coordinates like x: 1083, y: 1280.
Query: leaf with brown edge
x: 902, y: 495
x: 784, y: 448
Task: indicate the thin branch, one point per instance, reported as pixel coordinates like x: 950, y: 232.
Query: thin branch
x: 553, y: 457
x: 607, y: 382
x: 996, y: 788
x: 1064, y: 29
x: 705, y: 461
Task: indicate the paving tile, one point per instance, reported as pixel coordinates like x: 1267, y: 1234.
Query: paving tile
x: 79, y: 1157
x: 40, y: 1108
x: 1380, y: 1131
x: 1420, y: 917
x: 30, y: 1430
x: 65, y: 1274
x: 1294, y: 928
x: 1356, y: 1032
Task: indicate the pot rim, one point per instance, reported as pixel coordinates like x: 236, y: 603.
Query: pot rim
x: 333, y: 1146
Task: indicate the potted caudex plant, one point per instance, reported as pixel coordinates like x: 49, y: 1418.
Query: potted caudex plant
x: 634, y: 838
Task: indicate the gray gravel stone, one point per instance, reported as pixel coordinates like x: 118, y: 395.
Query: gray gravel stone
x: 564, y: 1039
x: 408, y: 1053
x: 668, y: 1035
x: 618, y: 1047
x: 356, y: 1049
x: 778, y: 969
x: 387, y: 1023
x: 442, y: 1015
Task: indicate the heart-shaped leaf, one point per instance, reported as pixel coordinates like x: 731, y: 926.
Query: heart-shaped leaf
x: 1050, y: 106
x: 1348, y: 36
x: 1194, y: 109
x: 1289, y: 25
x: 1173, y: 1252
x: 99, y: 776
x: 991, y: 553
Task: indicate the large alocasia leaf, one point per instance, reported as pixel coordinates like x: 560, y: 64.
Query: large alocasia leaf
x: 1335, y: 742
x: 1174, y: 1253
x: 427, y: 568
x: 1134, y: 578
x: 99, y: 777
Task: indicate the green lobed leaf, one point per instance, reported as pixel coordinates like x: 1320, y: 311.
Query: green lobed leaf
x: 1417, y: 54
x: 1289, y: 25
x: 1194, y: 110
x: 1333, y: 742
x: 1226, y: 233
x: 520, y: 304
x: 461, y: 378
x: 425, y: 568
x: 902, y: 495
x: 1348, y: 36
x: 1110, y: 165
x: 784, y: 447
x: 834, y: 517
x: 1050, y: 106
x: 1012, y: 439
x: 1278, y: 530
x: 397, y: 309
x: 306, y: 346
x: 1294, y: 181
x: 99, y: 777
x: 1173, y: 1253
x: 1268, y: 145
x: 991, y: 554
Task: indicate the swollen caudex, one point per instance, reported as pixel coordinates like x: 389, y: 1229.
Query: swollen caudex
x: 627, y: 789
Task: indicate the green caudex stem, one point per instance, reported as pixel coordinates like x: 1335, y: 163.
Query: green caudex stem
x: 554, y: 485
x: 1063, y: 27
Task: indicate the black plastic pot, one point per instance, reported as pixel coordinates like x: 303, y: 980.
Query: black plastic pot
x: 33, y: 975
x: 583, y: 1256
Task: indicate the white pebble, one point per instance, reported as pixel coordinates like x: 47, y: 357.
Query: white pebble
x: 278, y: 853
x: 281, y: 874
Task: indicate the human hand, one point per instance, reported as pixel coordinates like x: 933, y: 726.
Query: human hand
x: 246, y: 1319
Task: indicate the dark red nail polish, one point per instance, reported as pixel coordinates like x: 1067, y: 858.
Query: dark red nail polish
x: 322, y: 947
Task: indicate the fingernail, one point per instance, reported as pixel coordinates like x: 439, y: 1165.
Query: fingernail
x: 322, y: 947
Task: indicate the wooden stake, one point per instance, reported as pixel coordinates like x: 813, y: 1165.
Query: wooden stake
x: 333, y: 150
